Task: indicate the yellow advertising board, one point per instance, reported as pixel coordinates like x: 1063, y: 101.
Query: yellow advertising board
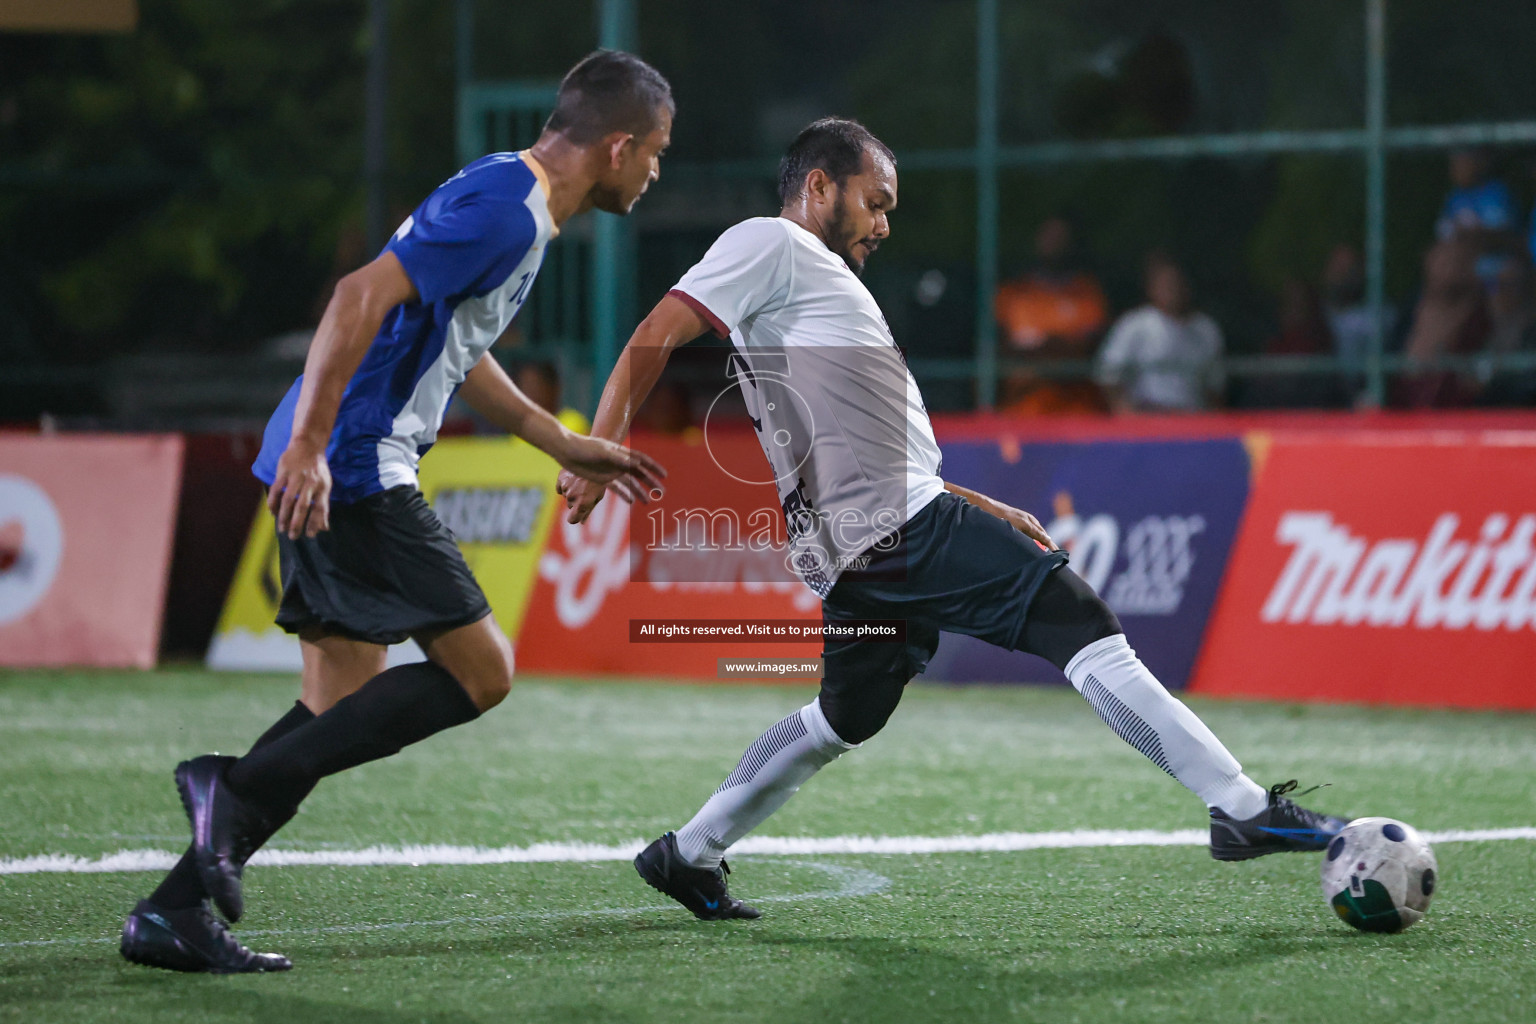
x: 497, y: 495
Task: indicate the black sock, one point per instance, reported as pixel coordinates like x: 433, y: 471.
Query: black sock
x: 182, y: 888
x: 297, y: 715
x: 395, y: 708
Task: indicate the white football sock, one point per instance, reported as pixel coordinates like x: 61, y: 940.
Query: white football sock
x: 774, y: 766
x: 1144, y: 714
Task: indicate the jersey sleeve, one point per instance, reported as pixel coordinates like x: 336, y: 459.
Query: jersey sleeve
x: 746, y: 271
x: 462, y: 245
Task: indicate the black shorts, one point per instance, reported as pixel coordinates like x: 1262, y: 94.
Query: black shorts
x: 386, y: 570
x: 954, y: 568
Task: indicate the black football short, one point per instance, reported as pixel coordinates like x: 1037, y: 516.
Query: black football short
x: 386, y: 570
x: 955, y: 568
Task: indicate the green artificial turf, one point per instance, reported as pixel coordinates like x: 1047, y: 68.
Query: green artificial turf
x: 1096, y: 934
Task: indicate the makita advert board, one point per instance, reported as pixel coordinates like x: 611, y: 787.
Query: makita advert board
x: 1393, y: 566
x: 1393, y: 569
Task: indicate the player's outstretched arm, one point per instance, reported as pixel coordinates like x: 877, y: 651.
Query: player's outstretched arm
x: 491, y: 393
x: 672, y: 323
x: 1014, y: 517
x: 300, y: 495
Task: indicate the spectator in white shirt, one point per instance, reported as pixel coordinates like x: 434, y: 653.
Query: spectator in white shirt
x: 1164, y: 356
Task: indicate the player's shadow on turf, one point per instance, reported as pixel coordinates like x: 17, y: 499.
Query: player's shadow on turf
x: 520, y: 936
x: 262, y: 1005
x: 893, y: 979
x: 42, y: 986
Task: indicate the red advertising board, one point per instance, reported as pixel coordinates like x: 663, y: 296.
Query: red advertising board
x: 1390, y: 569
x: 640, y: 562
x: 85, y: 546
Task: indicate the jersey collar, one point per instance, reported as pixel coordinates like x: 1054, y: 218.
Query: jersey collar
x: 542, y: 176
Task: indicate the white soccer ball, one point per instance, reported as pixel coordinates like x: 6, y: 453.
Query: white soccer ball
x: 1379, y: 874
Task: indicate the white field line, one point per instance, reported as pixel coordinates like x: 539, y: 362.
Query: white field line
x: 773, y: 846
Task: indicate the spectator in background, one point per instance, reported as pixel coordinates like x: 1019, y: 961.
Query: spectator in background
x: 1303, y: 330
x: 540, y: 381
x: 1480, y: 213
x: 1350, y: 319
x: 1054, y: 311
x: 1476, y: 241
x: 1164, y: 356
x: 1530, y: 236
x: 1450, y: 319
x: 1512, y: 331
x: 669, y: 410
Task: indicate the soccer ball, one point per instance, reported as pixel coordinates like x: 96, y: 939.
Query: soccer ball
x: 1379, y: 874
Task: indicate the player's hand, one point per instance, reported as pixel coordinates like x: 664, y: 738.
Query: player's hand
x: 1028, y: 525
x: 300, y: 495
x: 633, y: 475
x: 581, y: 496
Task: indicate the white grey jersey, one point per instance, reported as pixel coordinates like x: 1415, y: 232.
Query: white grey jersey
x: 836, y: 410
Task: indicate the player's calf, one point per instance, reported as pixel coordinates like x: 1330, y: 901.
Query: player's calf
x: 1142, y: 712
x: 771, y: 771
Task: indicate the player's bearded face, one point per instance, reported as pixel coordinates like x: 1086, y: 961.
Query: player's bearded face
x: 854, y: 231
x: 858, y: 220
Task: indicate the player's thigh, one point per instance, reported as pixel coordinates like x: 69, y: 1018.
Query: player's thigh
x: 1065, y: 616
x: 478, y: 655
x: 335, y: 666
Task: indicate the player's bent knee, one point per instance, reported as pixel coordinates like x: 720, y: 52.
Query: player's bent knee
x: 480, y: 659
x: 1066, y: 616
x: 495, y: 681
x: 857, y: 719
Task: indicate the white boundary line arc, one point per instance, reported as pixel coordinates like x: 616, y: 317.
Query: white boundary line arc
x: 851, y: 883
x: 772, y: 846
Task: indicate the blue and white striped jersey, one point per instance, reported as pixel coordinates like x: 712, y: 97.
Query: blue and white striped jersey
x: 472, y: 249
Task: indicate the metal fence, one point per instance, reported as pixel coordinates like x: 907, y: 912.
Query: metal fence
x: 601, y: 273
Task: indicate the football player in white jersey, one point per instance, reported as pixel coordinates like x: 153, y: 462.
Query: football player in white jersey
x: 875, y: 530
x: 365, y: 561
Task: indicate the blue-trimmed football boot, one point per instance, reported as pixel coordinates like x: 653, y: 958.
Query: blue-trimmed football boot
x: 700, y: 890
x: 1282, y: 826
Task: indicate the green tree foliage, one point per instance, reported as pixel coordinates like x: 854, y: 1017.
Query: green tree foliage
x: 187, y: 180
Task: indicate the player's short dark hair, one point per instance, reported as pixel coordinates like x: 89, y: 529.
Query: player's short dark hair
x: 609, y: 91
x: 836, y: 145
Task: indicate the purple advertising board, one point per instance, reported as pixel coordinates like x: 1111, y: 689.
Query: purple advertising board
x: 1149, y: 525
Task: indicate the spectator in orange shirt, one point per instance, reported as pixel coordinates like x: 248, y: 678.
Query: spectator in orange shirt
x: 1053, y: 312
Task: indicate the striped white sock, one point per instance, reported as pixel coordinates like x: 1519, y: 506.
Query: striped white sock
x: 1144, y: 714
x: 769, y: 773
